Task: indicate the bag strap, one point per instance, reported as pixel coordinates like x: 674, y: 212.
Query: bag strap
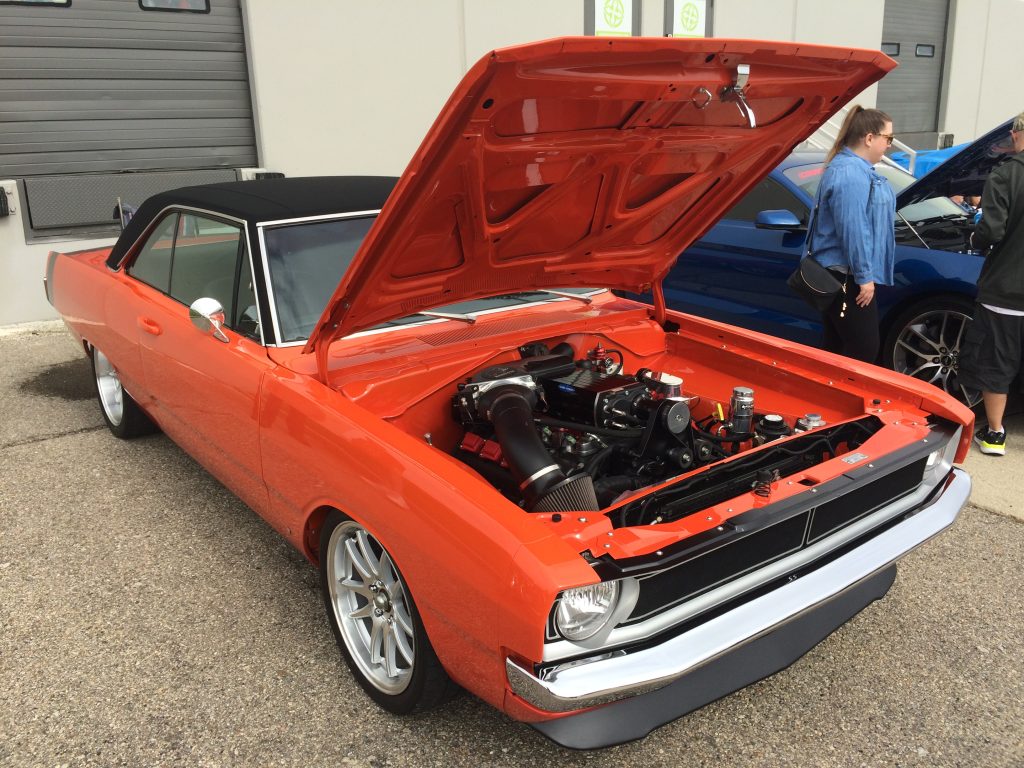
x: 814, y: 226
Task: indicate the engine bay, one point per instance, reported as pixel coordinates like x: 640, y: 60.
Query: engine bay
x: 553, y: 431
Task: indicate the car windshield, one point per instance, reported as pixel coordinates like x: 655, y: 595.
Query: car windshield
x: 808, y: 177
x: 308, y: 259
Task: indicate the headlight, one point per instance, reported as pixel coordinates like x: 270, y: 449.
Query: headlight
x: 583, y: 611
x: 940, y: 461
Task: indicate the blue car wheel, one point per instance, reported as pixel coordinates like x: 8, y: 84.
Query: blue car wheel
x: 924, y: 342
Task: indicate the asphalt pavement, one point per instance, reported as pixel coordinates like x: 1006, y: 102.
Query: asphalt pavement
x: 147, y: 617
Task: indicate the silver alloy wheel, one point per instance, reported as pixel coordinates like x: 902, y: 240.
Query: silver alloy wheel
x: 108, y: 384
x: 371, y: 608
x: 928, y: 348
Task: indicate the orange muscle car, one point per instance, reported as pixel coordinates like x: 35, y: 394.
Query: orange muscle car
x: 594, y: 514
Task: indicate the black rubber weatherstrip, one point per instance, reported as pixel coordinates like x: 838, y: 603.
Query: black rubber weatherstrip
x: 634, y: 718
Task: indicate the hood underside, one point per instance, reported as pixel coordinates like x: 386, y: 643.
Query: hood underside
x: 965, y: 172
x: 586, y: 162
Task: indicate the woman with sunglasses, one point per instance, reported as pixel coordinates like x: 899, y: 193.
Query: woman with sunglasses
x: 851, y: 231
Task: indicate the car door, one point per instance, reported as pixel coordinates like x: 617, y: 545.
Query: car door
x: 205, y: 391
x: 737, y: 272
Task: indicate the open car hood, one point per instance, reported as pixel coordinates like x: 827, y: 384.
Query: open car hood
x: 965, y: 172
x: 586, y: 162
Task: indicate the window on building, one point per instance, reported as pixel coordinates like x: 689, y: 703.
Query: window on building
x: 55, y: 3
x: 185, y: 6
x: 925, y: 51
x: 891, y: 49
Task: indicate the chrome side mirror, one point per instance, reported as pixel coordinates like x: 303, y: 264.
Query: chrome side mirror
x: 208, y: 316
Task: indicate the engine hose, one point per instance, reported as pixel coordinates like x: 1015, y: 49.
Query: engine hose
x: 595, y: 463
x: 511, y: 413
x: 608, y: 488
x: 739, y: 437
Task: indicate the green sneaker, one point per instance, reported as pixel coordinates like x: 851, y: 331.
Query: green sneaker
x: 992, y: 443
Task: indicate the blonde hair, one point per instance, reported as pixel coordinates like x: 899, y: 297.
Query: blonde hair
x: 859, y: 123
x: 1018, y: 122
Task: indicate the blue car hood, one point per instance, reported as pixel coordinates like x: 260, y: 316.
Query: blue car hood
x: 965, y: 172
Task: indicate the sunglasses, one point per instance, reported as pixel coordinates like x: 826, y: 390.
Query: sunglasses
x: 888, y: 138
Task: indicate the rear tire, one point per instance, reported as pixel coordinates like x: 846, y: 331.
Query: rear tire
x: 375, y: 621
x: 924, y: 342
x: 123, y: 416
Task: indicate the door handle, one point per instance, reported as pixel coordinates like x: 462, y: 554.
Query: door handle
x: 150, y: 326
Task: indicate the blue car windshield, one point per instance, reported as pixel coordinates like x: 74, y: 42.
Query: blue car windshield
x: 307, y: 260
x: 808, y: 177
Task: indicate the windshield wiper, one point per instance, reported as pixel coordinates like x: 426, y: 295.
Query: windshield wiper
x: 449, y: 316
x: 470, y: 319
x: 943, y: 217
x: 549, y: 292
x: 567, y: 295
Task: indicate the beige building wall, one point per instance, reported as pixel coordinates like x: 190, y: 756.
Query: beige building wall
x: 355, y: 91
x: 984, y: 68
x: 826, y: 22
x: 353, y: 87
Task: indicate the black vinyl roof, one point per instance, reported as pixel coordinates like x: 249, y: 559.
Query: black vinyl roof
x: 262, y: 200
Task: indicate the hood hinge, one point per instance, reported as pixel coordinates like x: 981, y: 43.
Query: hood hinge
x: 660, y: 316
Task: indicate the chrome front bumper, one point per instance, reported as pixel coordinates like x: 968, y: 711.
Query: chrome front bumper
x: 623, y: 674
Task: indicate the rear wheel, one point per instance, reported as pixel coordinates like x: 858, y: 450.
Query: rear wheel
x: 122, y: 414
x: 375, y: 620
x: 924, y: 342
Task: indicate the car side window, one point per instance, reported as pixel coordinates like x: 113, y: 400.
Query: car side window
x: 768, y: 195
x: 153, y: 263
x: 206, y: 259
x: 247, y: 318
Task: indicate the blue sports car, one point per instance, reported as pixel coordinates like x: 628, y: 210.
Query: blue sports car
x: 737, y: 272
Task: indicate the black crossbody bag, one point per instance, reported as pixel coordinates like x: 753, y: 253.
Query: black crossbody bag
x: 812, y: 282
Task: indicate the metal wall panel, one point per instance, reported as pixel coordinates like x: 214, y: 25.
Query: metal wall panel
x: 910, y: 93
x: 56, y: 202
x: 105, y: 86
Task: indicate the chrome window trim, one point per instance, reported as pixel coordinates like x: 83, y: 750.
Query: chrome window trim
x: 261, y: 228
x: 131, y: 253
x: 320, y: 217
x: 620, y: 636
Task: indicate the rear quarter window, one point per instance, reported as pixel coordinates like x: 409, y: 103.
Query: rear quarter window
x: 153, y: 263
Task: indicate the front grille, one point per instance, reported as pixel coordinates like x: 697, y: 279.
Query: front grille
x: 720, y: 565
x: 840, y: 512
x: 745, y: 549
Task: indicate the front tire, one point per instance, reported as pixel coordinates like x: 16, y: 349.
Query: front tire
x: 375, y: 620
x: 924, y: 342
x: 123, y: 416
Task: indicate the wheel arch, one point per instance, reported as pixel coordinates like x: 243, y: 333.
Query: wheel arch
x: 958, y: 291
x: 311, y: 530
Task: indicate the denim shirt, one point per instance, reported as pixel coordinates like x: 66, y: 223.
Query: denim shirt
x: 854, y: 228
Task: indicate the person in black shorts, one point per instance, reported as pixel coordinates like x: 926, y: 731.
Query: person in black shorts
x: 994, y: 343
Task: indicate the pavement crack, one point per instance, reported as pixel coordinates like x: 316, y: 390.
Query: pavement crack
x: 44, y: 438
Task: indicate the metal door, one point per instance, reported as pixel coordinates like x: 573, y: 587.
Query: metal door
x: 914, y: 33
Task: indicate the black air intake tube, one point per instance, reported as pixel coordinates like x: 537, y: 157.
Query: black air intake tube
x: 541, y: 481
